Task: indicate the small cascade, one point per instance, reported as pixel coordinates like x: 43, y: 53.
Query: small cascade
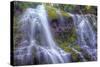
x: 85, y: 34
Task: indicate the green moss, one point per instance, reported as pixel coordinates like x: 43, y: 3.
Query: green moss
x: 53, y: 14
x: 73, y: 53
x: 77, y: 47
x: 65, y: 14
x: 67, y: 46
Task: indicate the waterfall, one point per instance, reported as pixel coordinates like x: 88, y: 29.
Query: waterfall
x: 86, y: 34
x: 37, y: 45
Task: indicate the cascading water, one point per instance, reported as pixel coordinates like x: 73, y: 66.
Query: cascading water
x: 37, y: 45
x: 86, y: 35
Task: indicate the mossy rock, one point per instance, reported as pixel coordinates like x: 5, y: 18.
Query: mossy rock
x: 53, y: 14
x: 66, y: 48
x: 73, y: 54
x: 65, y: 14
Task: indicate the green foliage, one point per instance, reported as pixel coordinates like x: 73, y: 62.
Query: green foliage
x: 77, y: 8
x: 89, y: 9
x: 69, y: 49
x: 53, y: 14
x: 72, y: 36
x: 68, y: 44
x: 22, y: 6
x: 65, y: 14
x: 69, y: 8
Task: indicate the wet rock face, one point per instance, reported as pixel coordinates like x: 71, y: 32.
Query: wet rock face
x: 60, y: 28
